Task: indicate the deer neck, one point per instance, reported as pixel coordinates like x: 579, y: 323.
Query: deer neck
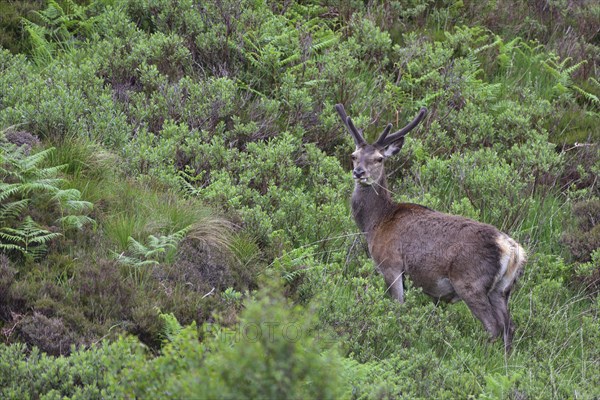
x: 371, y: 205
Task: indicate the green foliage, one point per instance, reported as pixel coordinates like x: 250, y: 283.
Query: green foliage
x: 59, y: 24
x: 65, y: 101
x: 26, y: 186
x: 11, y: 30
x: 423, y: 349
x: 267, y: 180
x: 589, y: 272
x: 498, y: 386
x: 85, y: 374
x: 270, y: 353
x: 156, y: 250
x: 29, y: 238
x: 172, y: 328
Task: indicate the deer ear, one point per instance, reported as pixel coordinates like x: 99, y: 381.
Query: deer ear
x: 393, y: 148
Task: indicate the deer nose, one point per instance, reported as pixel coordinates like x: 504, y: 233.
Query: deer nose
x: 358, y: 172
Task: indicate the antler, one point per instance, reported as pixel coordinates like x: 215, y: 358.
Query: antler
x: 384, y: 139
x: 356, y: 135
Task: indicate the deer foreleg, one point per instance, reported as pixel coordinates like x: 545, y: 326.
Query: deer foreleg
x: 395, y: 285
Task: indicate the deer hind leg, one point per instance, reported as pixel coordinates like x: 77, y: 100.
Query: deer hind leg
x: 499, y: 302
x: 481, y: 307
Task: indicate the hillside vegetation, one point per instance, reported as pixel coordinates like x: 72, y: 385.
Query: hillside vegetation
x: 174, y: 214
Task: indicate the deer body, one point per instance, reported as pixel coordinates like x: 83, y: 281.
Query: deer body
x: 450, y: 257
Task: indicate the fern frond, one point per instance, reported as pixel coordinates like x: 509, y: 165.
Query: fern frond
x: 160, y: 245
x: 64, y: 195
x: 294, y: 57
x: 589, y: 96
x: 42, y: 50
x: 179, y: 235
x: 9, y: 235
x: 43, y: 185
x: 551, y: 69
x: 45, y: 172
x: 326, y: 42
x: 8, y: 189
x: 70, y: 200
x: 52, y: 12
x: 13, y: 209
x: 569, y: 71
x: 432, y: 96
x: 75, y: 221
x: 155, y: 254
x: 133, y: 261
x: 171, y: 327
x: 10, y: 247
x: 36, y: 235
x: 79, y: 206
x: 290, y: 276
x: 33, y: 160
x: 136, y: 247
x: 561, y: 65
x: 41, y: 237
x: 29, y: 236
x: 187, y: 187
x: 496, y: 43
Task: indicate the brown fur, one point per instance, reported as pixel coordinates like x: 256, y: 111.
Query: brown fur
x: 450, y: 257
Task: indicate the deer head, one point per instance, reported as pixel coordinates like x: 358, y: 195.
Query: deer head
x: 367, y: 159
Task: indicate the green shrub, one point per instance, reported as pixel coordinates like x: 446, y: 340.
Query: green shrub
x: 270, y: 353
x: 64, y: 100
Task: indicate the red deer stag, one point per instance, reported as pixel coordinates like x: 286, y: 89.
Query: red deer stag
x: 450, y: 257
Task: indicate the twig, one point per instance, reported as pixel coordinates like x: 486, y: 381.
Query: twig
x: 579, y: 145
x: 209, y: 293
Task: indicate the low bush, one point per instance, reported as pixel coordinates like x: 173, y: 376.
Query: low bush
x: 271, y: 352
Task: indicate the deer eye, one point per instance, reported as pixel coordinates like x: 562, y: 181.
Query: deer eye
x: 379, y: 159
x: 353, y: 157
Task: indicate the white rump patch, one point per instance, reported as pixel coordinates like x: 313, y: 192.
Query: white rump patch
x: 512, y: 257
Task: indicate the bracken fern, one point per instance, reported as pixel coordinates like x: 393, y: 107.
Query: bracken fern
x: 25, y: 181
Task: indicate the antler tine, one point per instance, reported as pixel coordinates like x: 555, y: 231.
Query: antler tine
x: 355, y: 132
x: 342, y: 112
x: 358, y: 138
x: 381, y: 139
x: 402, y: 132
